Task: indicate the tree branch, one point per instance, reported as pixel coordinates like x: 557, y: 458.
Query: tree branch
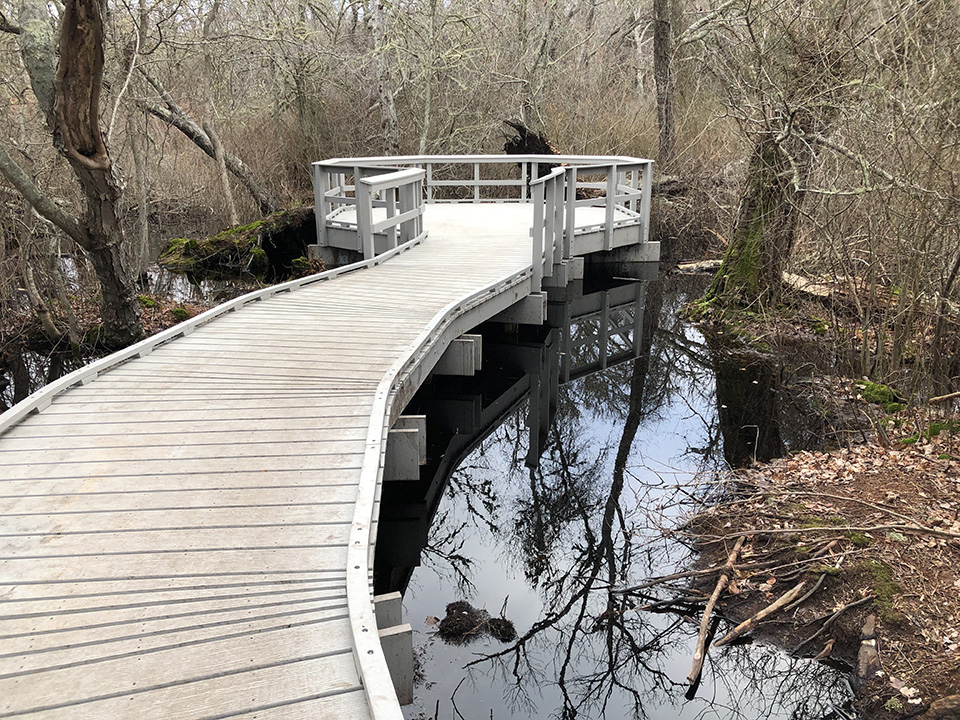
x: 176, y: 116
x: 9, y: 27
x: 693, y: 33
x: 40, y: 202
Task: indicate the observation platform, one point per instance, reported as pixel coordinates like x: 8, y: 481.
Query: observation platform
x: 188, y: 525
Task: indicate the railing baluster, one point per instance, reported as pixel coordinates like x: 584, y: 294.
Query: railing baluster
x: 476, y: 182
x: 610, y: 205
x: 634, y: 184
x: 571, y: 207
x: 429, y: 182
x: 390, y: 197
x: 558, y: 211
x: 549, y: 219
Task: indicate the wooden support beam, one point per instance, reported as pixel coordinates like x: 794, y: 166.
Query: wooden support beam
x: 575, y: 268
x: 397, y: 644
x: 388, y: 609
x: 531, y: 310
x: 462, y: 357
x: 418, y: 423
x: 559, y: 277
x: 402, y: 461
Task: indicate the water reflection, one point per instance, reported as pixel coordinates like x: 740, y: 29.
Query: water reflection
x: 23, y: 372
x: 546, y: 511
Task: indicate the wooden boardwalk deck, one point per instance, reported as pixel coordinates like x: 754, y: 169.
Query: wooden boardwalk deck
x: 188, y: 536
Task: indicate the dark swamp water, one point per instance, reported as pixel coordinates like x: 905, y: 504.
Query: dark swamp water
x: 551, y: 478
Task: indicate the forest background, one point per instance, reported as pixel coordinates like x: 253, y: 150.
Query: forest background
x: 813, y: 137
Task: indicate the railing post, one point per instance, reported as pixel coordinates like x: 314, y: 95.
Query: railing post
x: 418, y: 197
x: 611, y: 201
x: 645, y: 200
x: 571, y: 207
x: 537, y: 232
x: 406, y: 202
x: 364, y: 217
x: 390, y: 200
x: 523, y: 182
x: 549, y: 219
x: 321, y: 184
x: 634, y: 185
x: 429, y: 182
x: 476, y: 182
x: 558, y: 215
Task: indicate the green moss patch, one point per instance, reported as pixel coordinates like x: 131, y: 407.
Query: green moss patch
x: 263, y: 249
x: 878, y: 393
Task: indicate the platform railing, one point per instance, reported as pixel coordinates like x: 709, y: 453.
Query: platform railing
x: 619, y: 185
x: 550, y: 245
x: 401, y: 195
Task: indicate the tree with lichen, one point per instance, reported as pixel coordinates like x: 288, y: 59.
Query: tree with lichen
x: 790, y: 69
x: 66, y: 75
x: 785, y: 75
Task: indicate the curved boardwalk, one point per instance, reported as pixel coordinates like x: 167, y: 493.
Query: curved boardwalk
x: 179, y: 539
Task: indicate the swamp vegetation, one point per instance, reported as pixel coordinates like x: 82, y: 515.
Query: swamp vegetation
x: 810, y: 150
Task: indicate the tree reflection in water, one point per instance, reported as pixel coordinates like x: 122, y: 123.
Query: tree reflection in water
x: 557, y: 537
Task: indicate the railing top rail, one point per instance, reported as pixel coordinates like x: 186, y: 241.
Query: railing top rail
x: 556, y: 172
x: 394, y: 179
x: 578, y: 160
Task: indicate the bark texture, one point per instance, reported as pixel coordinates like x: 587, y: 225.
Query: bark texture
x: 77, y: 133
x: 389, y: 124
x: 663, y: 76
x: 766, y: 226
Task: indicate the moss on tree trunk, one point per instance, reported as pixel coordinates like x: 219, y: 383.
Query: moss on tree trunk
x: 765, y: 230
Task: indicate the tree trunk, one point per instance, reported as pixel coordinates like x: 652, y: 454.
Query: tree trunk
x: 77, y: 133
x: 766, y: 227
x: 389, y: 124
x: 663, y: 76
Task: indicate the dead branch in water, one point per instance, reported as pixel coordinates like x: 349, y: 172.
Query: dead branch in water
x: 725, y: 574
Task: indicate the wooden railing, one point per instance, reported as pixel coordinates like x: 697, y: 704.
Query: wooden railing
x: 401, y: 194
x: 620, y: 185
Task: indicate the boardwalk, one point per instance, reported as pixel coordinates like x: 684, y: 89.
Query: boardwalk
x: 190, y: 535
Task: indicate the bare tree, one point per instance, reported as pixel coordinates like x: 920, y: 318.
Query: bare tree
x: 68, y: 92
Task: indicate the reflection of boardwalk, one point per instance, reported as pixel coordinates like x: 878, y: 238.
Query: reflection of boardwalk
x: 190, y: 535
